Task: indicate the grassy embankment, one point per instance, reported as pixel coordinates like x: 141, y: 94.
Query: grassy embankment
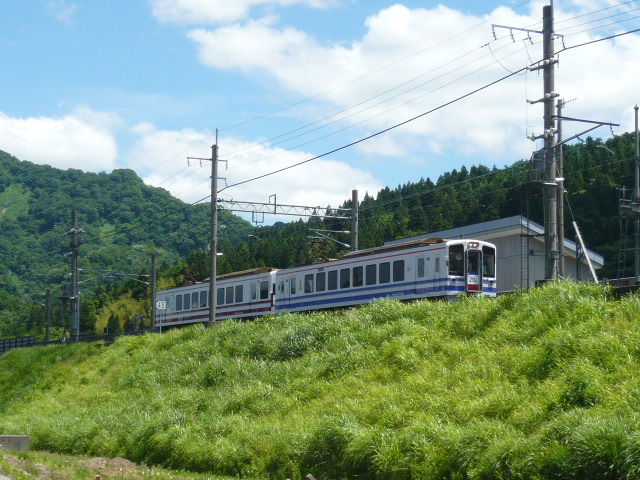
x: 53, y: 466
x: 538, y: 385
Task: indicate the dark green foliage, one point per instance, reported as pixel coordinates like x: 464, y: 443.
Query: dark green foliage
x: 117, y: 211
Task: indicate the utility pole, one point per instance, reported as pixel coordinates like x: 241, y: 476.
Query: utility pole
x: 560, y: 188
x: 48, y: 326
x: 75, y: 295
x: 214, y: 232
x: 153, y: 292
x: 550, y: 187
x: 354, y: 220
x: 636, y: 199
x: 213, y: 245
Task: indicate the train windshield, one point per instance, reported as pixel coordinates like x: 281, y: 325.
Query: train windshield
x: 456, y: 260
x: 488, y: 261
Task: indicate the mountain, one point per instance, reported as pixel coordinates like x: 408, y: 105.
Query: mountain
x: 123, y: 221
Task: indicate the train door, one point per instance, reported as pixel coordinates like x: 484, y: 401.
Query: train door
x: 433, y: 267
x: 474, y: 271
x: 282, y: 292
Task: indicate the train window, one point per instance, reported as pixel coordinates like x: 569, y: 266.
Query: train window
x: 358, y: 276
x: 321, y: 282
x: 264, y: 290
x: 488, y: 262
x: 186, y: 302
x: 203, y: 298
x: 345, y: 278
x: 254, y: 291
x: 308, y: 283
x: 194, y: 299
x: 421, y: 267
x: 178, y: 303
x: 398, y: 271
x: 456, y: 260
x: 239, y: 293
x: 281, y: 286
x: 384, y: 272
x: 437, y: 269
x: 220, y: 299
x: 370, y: 274
x: 292, y: 282
x: 333, y: 280
x: 229, y: 294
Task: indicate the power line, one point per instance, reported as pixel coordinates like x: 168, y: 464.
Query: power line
x: 386, y: 111
x: 380, y: 132
x: 270, y: 140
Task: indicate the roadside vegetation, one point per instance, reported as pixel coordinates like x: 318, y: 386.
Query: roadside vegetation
x: 539, y: 385
x: 52, y: 466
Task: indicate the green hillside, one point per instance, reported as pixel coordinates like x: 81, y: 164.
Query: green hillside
x: 539, y: 385
x: 124, y: 220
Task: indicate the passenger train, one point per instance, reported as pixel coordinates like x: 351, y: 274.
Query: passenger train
x: 430, y: 268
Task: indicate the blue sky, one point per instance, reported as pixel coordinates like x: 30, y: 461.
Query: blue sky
x: 143, y: 84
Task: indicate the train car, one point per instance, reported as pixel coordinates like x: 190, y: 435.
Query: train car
x: 421, y: 269
x: 430, y: 268
x: 239, y: 295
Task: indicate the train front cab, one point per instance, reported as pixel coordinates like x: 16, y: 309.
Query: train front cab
x: 472, y: 267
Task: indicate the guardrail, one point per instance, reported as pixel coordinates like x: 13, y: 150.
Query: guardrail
x: 22, y: 342
x: 19, y: 342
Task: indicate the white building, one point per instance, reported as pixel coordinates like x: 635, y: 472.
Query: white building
x: 520, y: 250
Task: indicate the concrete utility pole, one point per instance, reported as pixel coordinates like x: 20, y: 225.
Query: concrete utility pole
x: 75, y: 295
x: 636, y: 199
x: 560, y: 189
x: 550, y: 186
x: 354, y: 219
x: 153, y: 292
x: 48, y: 326
x: 214, y: 232
x: 213, y: 245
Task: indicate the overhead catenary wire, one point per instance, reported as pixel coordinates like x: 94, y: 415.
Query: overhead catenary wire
x: 383, y: 112
x: 336, y: 115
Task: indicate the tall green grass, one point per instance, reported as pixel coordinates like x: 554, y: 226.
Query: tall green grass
x: 541, y: 385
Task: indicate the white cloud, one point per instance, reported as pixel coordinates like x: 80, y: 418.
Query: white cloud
x: 160, y: 156
x: 202, y: 12
x: 63, y: 10
x: 82, y: 139
x: 493, y: 121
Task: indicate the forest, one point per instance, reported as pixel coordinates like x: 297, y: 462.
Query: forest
x: 124, y: 221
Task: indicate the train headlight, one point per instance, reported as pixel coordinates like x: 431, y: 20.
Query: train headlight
x: 473, y: 244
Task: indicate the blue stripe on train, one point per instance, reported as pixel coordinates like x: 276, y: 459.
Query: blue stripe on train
x: 388, y: 285
x: 372, y: 296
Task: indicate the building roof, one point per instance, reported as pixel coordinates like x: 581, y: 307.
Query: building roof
x: 502, y: 227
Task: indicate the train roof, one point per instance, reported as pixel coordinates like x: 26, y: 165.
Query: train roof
x: 243, y: 273
x: 396, y: 246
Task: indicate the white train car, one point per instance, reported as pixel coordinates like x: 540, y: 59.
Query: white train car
x: 239, y: 295
x: 421, y: 269
x: 430, y: 268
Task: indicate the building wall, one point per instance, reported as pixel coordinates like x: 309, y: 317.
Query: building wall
x: 521, y: 262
